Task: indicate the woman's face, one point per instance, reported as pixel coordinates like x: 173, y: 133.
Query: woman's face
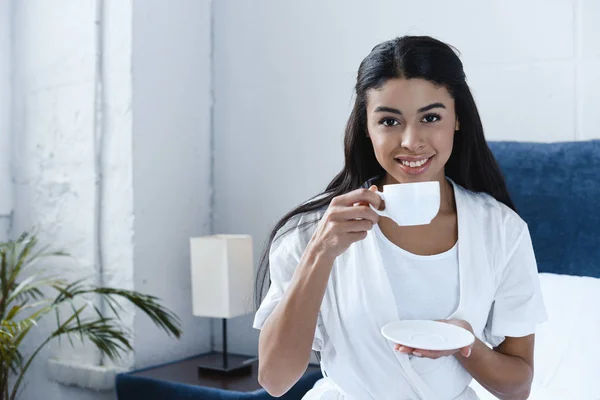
x: 411, y: 123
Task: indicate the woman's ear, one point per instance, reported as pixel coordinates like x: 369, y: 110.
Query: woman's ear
x: 457, y: 126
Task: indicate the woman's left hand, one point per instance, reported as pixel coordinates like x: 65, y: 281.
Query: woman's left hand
x: 465, y: 351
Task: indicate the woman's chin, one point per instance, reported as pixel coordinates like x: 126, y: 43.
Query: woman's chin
x: 402, y: 177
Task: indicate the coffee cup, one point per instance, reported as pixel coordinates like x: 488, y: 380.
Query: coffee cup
x: 410, y: 204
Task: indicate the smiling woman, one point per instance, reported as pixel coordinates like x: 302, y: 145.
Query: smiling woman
x: 339, y: 272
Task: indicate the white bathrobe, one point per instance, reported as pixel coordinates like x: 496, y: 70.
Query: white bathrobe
x: 499, y: 296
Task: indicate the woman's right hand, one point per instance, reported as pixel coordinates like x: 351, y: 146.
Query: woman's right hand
x: 346, y: 221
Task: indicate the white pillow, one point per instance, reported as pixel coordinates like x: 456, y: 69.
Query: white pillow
x: 567, y: 348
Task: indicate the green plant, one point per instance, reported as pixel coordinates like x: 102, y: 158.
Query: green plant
x: 25, y: 300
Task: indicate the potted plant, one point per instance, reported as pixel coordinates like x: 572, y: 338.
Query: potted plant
x: 28, y: 296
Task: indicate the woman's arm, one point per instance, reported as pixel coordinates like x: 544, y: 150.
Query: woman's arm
x: 285, y: 340
x: 507, y: 370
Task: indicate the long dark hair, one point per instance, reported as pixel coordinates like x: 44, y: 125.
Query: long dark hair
x: 471, y: 164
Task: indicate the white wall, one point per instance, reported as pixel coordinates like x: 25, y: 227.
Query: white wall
x: 588, y: 68
x: 53, y: 102
x: 171, y: 153
x: 5, y: 118
x: 154, y: 117
x: 284, y: 74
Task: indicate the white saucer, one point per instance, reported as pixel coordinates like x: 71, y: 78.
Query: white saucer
x: 427, y: 335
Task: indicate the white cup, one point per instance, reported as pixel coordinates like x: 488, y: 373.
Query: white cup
x: 409, y: 204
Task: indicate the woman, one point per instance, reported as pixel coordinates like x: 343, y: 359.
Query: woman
x: 339, y: 272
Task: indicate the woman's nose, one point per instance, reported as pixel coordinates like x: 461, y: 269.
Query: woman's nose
x: 412, y: 140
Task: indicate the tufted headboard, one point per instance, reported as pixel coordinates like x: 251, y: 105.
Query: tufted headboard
x: 556, y: 189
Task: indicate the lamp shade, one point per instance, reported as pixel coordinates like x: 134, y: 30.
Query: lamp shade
x: 222, y: 275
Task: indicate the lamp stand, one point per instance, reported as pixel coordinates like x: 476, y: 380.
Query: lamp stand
x: 225, y: 362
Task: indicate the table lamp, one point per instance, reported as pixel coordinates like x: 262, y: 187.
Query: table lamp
x: 222, y: 287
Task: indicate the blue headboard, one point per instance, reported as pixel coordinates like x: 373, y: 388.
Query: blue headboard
x: 556, y: 189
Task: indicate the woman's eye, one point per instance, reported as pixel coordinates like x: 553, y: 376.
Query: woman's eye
x: 431, y: 118
x: 388, y: 122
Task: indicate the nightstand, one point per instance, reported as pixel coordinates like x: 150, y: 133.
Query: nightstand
x: 181, y: 380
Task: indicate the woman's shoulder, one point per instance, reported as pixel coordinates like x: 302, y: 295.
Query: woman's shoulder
x: 301, y: 225
x: 502, y: 227
x: 296, y: 233
x: 491, y: 209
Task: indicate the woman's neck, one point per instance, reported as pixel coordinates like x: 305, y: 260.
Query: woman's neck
x: 447, y: 201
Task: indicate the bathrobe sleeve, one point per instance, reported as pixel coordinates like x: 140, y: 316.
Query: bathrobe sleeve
x: 284, y: 257
x: 518, y: 305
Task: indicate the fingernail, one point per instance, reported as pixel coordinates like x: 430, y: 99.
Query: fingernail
x: 417, y: 354
x: 468, y: 353
x: 400, y: 348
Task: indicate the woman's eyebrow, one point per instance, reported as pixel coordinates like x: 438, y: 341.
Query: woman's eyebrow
x: 431, y: 107
x: 388, y: 109
x: 421, y: 110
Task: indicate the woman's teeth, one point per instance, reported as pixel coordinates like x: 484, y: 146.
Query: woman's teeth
x: 414, y: 164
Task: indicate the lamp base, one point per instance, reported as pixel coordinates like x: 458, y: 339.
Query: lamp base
x: 213, y: 363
